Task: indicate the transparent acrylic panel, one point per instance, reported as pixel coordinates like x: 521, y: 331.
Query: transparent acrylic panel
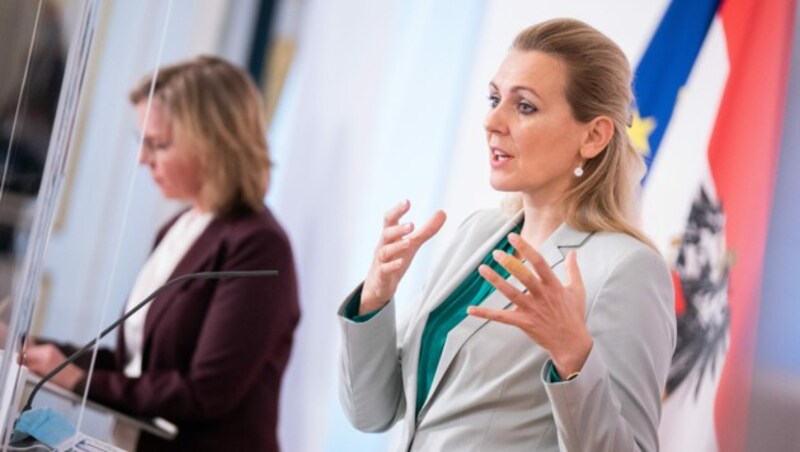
x: 97, y: 209
x: 43, y: 54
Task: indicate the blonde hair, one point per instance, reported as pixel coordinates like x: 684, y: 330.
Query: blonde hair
x: 218, y: 110
x: 605, y: 197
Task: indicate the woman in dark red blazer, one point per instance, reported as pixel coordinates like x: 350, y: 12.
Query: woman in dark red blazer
x: 209, y: 355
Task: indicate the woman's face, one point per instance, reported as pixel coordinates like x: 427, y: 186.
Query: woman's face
x: 534, y: 141
x: 174, y: 168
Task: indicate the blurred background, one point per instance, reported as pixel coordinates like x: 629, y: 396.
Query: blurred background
x: 373, y: 102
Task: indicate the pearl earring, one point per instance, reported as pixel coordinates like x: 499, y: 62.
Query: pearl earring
x: 578, y: 171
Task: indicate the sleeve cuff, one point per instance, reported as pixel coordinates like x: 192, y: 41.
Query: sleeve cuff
x: 80, y: 385
x: 350, y: 311
x: 550, y: 374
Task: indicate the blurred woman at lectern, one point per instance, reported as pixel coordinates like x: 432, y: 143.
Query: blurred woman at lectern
x: 207, y: 355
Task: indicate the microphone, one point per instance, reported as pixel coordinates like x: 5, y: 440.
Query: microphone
x: 153, y: 295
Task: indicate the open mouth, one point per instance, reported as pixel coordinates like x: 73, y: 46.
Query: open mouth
x: 499, y: 156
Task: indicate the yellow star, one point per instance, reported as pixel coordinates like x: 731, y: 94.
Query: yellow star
x: 639, y: 132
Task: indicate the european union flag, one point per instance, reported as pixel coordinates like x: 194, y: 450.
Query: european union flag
x: 664, y: 69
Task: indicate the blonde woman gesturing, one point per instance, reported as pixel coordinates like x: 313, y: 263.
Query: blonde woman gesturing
x: 549, y: 328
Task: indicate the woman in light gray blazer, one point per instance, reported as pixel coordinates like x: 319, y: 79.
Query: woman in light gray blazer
x: 546, y: 329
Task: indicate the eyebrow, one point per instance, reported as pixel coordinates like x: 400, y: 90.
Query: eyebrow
x: 516, y: 88
x: 151, y: 141
x: 153, y: 135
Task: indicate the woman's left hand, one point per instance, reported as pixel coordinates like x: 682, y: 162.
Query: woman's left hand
x: 551, y: 314
x: 41, y: 359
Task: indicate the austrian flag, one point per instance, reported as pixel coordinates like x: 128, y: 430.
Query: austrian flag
x: 710, y: 91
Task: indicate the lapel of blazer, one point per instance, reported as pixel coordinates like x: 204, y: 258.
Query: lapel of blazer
x: 437, y: 293
x: 201, y: 251
x: 553, y: 250
x: 449, y: 283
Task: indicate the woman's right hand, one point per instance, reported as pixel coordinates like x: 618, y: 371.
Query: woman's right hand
x: 393, y: 255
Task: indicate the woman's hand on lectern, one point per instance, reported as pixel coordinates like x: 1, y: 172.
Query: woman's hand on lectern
x: 41, y: 359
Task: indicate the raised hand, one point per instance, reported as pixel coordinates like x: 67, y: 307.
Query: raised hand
x: 550, y: 313
x: 396, y: 248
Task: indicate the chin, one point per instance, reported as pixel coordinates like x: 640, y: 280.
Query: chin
x: 503, y: 185
x: 170, y: 196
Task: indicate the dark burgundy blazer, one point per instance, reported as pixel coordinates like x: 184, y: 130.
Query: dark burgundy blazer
x: 214, y: 351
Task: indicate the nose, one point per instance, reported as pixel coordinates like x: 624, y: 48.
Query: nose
x: 145, y: 156
x: 494, y: 122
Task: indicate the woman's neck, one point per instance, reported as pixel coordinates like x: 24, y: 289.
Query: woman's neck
x: 198, y: 206
x: 541, y: 220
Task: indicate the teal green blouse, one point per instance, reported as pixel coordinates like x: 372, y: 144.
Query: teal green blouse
x: 471, y: 292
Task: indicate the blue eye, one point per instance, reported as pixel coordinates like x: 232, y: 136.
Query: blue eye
x: 493, y: 100
x: 526, y: 108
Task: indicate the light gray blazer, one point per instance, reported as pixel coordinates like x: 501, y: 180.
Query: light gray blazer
x: 490, y: 390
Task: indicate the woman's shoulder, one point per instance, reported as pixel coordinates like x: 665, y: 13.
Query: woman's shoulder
x: 484, y: 222
x: 618, y: 251
x: 249, y: 225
